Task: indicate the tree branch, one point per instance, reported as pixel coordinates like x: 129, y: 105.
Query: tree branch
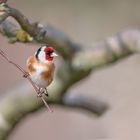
x: 84, y: 102
x: 109, y: 51
x: 77, y: 65
x: 23, y: 95
x: 43, y: 34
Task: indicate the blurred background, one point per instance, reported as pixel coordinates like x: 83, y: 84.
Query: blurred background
x: 86, y: 22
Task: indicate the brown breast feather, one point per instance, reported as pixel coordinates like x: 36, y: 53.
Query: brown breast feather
x: 48, y: 75
x: 29, y: 64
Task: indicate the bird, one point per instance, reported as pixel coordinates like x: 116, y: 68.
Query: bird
x: 40, y: 68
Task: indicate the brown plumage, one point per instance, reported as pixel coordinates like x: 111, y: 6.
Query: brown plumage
x: 46, y: 74
x: 41, y: 67
x: 30, y: 67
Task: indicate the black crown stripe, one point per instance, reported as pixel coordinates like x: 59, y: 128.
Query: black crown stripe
x: 38, y: 51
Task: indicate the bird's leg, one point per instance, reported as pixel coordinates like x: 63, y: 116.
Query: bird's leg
x: 46, y: 92
x: 43, y: 91
x: 40, y: 92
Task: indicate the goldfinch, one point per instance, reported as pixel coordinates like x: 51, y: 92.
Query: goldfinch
x: 41, y: 68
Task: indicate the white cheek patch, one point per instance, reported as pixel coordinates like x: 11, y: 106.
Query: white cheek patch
x: 41, y: 56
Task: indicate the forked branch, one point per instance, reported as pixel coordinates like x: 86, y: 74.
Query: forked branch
x: 74, y: 67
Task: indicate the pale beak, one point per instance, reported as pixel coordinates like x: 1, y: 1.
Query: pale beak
x: 54, y: 54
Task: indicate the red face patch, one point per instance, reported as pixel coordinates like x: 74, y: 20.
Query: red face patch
x: 49, y: 58
x: 49, y: 49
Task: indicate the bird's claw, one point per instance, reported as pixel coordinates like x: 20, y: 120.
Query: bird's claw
x: 47, y: 94
x: 42, y: 91
x: 39, y: 95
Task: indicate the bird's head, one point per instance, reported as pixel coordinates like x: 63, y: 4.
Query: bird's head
x: 45, y: 54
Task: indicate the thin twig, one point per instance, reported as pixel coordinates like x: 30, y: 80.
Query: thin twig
x: 26, y: 75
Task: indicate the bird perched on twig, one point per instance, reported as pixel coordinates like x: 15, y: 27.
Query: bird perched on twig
x: 41, y: 68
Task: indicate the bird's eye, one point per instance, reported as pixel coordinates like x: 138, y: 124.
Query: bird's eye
x: 49, y: 52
